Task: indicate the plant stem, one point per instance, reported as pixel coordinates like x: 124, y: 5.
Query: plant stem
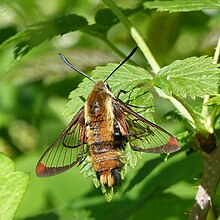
x: 145, y: 50
x: 135, y: 34
x: 209, y: 121
x: 208, y: 187
x: 217, y: 52
x: 199, y: 126
x: 215, y: 111
x: 178, y: 105
x: 216, y: 58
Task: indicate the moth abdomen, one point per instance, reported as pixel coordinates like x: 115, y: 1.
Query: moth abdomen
x: 109, y: 177
x: 106, y: 160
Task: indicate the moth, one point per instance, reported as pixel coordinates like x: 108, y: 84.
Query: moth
x: 103, y: 127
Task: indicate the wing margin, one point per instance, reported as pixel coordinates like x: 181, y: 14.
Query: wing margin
x: 66, y: 151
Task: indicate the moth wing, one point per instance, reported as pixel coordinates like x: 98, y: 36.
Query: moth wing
x: 66, y: 151
x: 144, y: 135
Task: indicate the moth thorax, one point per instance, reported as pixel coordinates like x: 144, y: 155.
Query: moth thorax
x: 109, y: 178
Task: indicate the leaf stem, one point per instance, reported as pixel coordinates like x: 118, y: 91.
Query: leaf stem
x: 135, y: 34
x: 217, y: 52
x: 209, y: 121
x: 216, y: 58
x: 177, y: 105
x: 199, y: 126
x: 209, y: 184
x: 213, y: 117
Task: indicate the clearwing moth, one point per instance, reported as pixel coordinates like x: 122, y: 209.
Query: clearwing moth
x: 103, y: 127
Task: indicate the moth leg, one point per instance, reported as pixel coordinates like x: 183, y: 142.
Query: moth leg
x: 82, y: 155
x: 82, y: 160
x: 125, y: 92
x: 121, y: 91
x: 143, y: 108
x: 129, y: 97
x: 134, y: 106
x: 134, y: 148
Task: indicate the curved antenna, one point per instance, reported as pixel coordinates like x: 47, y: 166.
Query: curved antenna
x: 73, y: 67
x: 127, y: 58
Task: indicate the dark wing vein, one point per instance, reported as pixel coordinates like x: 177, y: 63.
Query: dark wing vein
x: 66, y: 151
x: 146, y: 136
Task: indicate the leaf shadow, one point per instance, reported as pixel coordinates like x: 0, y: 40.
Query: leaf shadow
x: 142, y: 173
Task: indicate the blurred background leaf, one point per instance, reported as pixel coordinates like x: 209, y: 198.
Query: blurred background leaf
x: 183, y: 5
x: 12, y: 189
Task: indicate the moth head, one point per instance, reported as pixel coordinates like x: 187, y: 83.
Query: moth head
x: 102, y: 86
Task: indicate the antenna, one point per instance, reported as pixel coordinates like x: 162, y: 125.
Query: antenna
x: 126, y: 59
x: 73, y: 67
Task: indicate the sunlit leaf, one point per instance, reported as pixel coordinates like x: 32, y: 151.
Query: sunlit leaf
x: 194, y: 76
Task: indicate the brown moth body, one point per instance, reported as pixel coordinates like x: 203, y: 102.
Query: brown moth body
x: 104, y: 146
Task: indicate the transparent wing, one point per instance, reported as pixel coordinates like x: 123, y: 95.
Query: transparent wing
x: 66, y: 151
x: 146, y: 136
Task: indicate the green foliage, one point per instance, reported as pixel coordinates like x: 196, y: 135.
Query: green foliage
x: 34, y: 90
x: 147, y: 188
x: 182, y: 5
x: 38, y: 33
x: 193, y: 77
x: 13, y: 186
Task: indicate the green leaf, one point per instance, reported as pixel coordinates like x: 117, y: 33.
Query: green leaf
x: 132, y: 79
x: 161, y: 177
x: 143, y: 172
x: 12, y: 188
x: 39, y: 32
x: 70, y: 214
x: 194, y: 76
x: 183, y: 5
x: 163, y: 200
